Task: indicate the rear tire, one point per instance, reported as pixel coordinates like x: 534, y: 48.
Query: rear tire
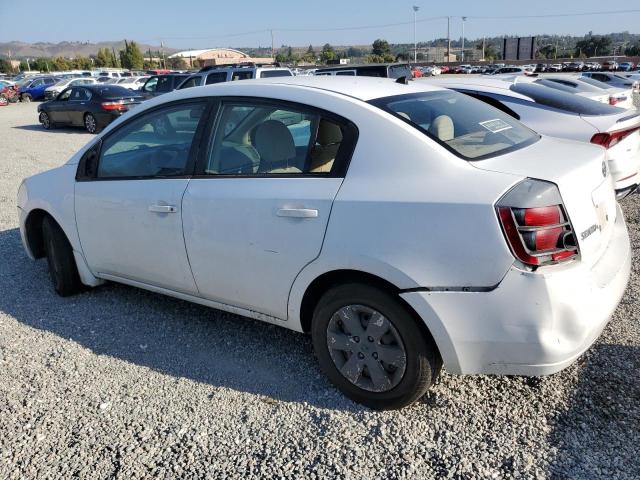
x: 90, y: 123
x: 62, y: 264
x: 3, y: 101
x: 405, y: 362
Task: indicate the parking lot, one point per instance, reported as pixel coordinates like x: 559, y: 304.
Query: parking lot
x: 122, y: 383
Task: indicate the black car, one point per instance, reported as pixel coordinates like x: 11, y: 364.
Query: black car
x: 90, y: 106
x: 159, y: 84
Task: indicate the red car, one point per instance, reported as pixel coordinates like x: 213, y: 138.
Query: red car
x: 416, y: 72
x: 8, y: 94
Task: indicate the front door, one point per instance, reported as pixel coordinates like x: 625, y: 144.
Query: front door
x: 128, y: 210
x: 257, y: 212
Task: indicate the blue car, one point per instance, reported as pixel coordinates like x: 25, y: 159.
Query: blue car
x: 626, y: 66
x: 33, y: 88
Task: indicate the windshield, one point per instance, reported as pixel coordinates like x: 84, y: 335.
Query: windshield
x: 468, y: 127
x: 63, y: 82
x: 568, y: 102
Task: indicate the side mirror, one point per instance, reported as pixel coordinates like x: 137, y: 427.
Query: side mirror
x: 88, y: 165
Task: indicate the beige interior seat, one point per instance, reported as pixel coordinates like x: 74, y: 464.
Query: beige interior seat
x: 274, y: 143
x: 326, y: 148
x: 442, y: 128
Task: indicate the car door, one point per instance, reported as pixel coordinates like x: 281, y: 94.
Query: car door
x: 257, y: 210
x: 58, y: 107
x: 128, y: 198
x: 77, y: 105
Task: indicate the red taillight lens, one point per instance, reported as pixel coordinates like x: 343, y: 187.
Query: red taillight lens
x: 537, y: 235
x: 613, y: 100
x: 610, y: 139
x: 113, y: 106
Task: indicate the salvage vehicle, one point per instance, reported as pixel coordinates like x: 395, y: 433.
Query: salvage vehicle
x: 90, y: 106
x: 566, y: 115
x: 365, y: 235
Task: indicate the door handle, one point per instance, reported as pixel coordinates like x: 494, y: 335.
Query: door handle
x: 297, y: 212
x: 163, y: 208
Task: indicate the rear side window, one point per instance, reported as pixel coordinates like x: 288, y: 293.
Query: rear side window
x: 467, y: 127
x: 271, y: 139
x: 275, y: 73
x: 156, y: 144
x: 241, y: 75
x: 560, y: 100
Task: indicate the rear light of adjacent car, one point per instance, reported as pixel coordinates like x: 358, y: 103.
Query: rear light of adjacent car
x: 119, y: 105
x: 610, y: 139
x: 536, y: 225
x: 616, y: 100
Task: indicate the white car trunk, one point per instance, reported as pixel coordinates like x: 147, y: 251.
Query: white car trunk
x: 580, y: 171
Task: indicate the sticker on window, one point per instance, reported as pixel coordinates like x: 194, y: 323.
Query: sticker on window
x: 495, y: 126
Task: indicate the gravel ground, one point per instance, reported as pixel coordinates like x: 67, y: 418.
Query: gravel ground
x: 121, y: 383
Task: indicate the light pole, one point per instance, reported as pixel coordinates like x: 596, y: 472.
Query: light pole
x: 448, y: 39
x: 415, y: 42
x: 464, y: 19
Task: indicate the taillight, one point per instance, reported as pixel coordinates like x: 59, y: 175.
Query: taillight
x: 114, y: 106
x: 613, y: 100
x: 536, y: 225
x: 610, y: 139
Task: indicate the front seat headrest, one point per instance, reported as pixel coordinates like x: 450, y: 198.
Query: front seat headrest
x: 274, y: 142
x: 442, y: 128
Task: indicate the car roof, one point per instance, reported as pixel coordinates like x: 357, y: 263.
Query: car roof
x: 361, y: 88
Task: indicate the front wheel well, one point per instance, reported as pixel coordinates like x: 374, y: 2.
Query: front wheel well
x: 33, y: 232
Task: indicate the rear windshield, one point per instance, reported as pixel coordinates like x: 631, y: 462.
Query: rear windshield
x: 568, y: 102
x: 113, y: 91
x: 596, y: 83
x: 468, y: 127
x: 275, y: 73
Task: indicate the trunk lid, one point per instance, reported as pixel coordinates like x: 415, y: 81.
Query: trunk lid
x: 581, y: 173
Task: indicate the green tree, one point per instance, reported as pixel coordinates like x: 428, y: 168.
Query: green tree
x: 593, y: 46
x: 131, y: 57
x: 177, y: 63
x: 104, y: 58
x: 5, y: 66
x: 81, y: 63
x: 60, y: 64
x: 381, y: 47
x: 328, y: 53
x: 633, y: 50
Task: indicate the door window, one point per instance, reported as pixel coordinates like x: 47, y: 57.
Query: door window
x: 80, y: 94
x: 241, y: 75
x: 270, y: 139
x: 65, y: 95
x: 217, y: 77
x: 192, y: 82
x: 151, y: 84
x: 156, y: 144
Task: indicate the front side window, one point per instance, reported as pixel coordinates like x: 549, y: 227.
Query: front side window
x: 217, y: 77
x: 164, y: 84
x: 466, y: 126
x: 270, y: 139
x: 156, y: 144
x: 65, y: 95
x: 151, y: 84
x: 191, y: 82
x: 275, y: 73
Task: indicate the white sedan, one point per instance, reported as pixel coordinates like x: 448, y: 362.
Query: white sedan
x: 565, y: 115
x: 404, y: 226
x: 132, y: 83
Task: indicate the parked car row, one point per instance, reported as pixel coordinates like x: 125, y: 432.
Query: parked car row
x: 466, y: 222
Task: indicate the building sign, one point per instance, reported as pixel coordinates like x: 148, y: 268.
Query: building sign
x: 522, y: 48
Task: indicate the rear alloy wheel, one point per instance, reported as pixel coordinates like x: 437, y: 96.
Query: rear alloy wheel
x: 371, y: 347
x: 26, y: 98
x: 3, y: 101
x: 62, y: 264
x: 90, y: 123
x: 45, y: 120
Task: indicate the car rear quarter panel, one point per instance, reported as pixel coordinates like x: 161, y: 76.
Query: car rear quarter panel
x: 412, y: 213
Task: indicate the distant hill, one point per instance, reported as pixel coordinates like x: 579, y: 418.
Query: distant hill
x: 20, y: 50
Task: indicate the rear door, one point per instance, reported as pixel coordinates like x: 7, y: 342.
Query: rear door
x: 257, y: 211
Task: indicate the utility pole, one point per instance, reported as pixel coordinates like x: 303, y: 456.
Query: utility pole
x: 415, y: 42
x: 272, y: 49
x: 483, y: 40
x: 464, y: 19
x: 448, y: 39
